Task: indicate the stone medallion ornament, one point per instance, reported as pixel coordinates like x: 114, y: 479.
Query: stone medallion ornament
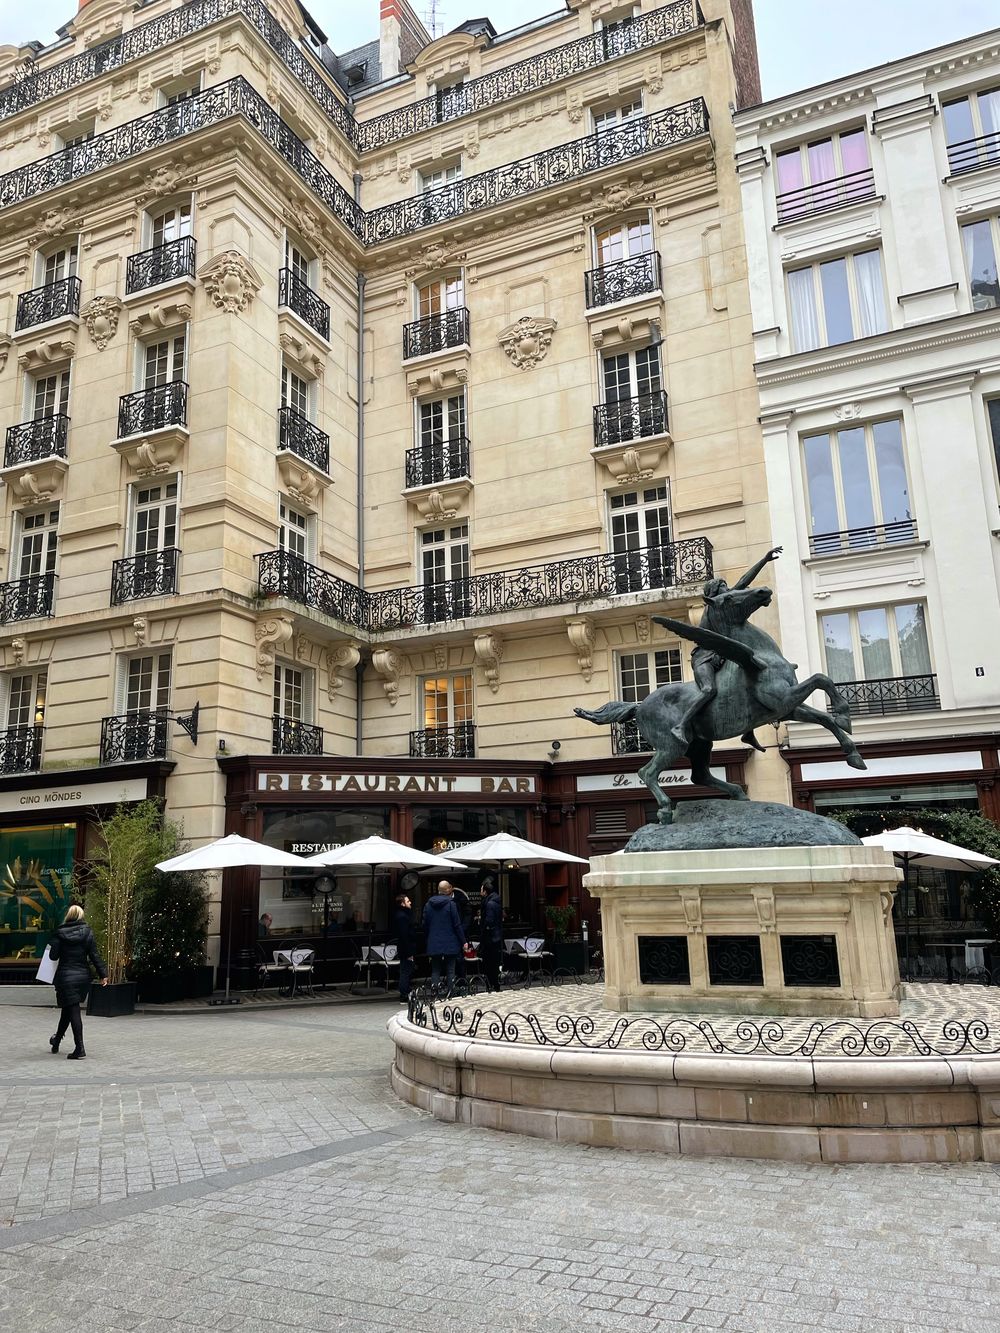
x: 231, y: 281
x: 101, y: 319
x: 527, y: 340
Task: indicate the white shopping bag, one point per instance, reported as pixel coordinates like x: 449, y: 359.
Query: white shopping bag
x: 47, y: 968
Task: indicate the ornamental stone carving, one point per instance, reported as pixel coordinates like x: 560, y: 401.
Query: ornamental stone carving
x: 390, y: 665
x: 582, y: 636
x: 140, y: 629
x: 527, y: 340
x: 17, y: 650
x: 489, y: 654
x: 48, y: 352
x: 271, y: 633
x: 231, y: 281
x: 168, y: 314
x: 163, y: 181
x: 56, y: 222
x: 5, y: 345
x: 101, y: 318
x: 339, y: 661
x: 433, y: 257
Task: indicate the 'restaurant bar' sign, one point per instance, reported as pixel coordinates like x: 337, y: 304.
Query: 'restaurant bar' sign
x: 396, y: 784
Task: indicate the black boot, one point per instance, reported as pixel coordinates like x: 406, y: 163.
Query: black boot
x: 54, y: 1043
x: 77, y: 1055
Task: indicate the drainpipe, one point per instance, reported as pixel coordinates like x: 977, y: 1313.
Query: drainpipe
x: 359, y: 670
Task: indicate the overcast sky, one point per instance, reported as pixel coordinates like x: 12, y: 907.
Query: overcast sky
x: 801, y: 42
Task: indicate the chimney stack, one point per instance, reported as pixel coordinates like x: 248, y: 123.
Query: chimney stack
x: 402, y: 36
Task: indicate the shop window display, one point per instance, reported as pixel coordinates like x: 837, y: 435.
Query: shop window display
x: 36, y: 884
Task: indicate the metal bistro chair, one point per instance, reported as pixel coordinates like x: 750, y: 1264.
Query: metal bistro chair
x: 376, y: 955
x: 299, y: 963
x: 534, y: 949
x: 266, y: 968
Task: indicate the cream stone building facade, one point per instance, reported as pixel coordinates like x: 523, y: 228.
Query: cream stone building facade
x: 360, y: 410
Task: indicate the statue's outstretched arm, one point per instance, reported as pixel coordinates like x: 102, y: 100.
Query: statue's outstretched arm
x: 754, y: 570
x: 730, y: 649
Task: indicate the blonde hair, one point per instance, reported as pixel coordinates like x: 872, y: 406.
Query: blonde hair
x: 75, y: 913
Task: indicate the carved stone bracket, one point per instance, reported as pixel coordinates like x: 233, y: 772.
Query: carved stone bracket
x: 433, y: 258
x: 164, y: 181
x: 527, y: 340
x: 56, y: 222
x: 450, y: 371
x: 301, y: 352
x: 162, y: 315
x: 763, y: 901
x: 489, y: 654
x: 629, y: 463
x: 48, y: 352
x: 36, y: 483
x: 301, y: 482
x: 439, y: 504
x: 616, y: 198
x: 339, y: 661
x: 582, y: 636
x: 17, y: 651
x: 101, y: 318
x: 152, y: 455
x: 139, y: 629
x: 6, y: 344
x: 691, y: 903
x: 441, y: 656
x: 271, y: 633
x: 390, y: 665
x: 231, y: 281
x: 642, y: 628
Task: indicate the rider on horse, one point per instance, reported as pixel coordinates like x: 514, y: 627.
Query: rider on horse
x: 704, y: 661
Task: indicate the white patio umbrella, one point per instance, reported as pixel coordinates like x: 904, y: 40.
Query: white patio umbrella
x: 912, y: 847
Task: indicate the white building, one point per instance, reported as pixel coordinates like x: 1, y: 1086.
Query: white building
x: 872, y: 217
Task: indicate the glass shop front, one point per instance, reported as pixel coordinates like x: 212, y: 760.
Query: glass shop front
x: 36, y: 865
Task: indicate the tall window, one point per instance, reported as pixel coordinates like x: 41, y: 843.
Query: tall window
x: 441, y: 420
x: 439, y: 177
x: 26, y: 699
x: 291, y: 697
x: 154, y: 520
x: 837, y: 301
x: 614, y: 117
x: 147, y: 683
x: 444, y: 572
x: 640, y: 538
x: 631, y: 374
x: 184, y: 94
x: 972, y: 130
x: 447, y: 701
x: 79, y: 134
x: 433, y: 298
x: 35, y: 551
x: 993, y: 420
x: 625, y: 240
x: 293, y: 530
x: 170, y: 225
x: 804, y: 173
x: 641, y: 673
x: 876, y: 643
x: 859, y: 495
x: 60, y: 264
x: 298, y: 261
x: 163, y: 362
x: 49, y: 395
x: 615, y: 31
x: 294, y: 392
x: 981, y: 243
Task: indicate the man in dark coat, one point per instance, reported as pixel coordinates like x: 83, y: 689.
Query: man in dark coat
x: 402, y: 925
x: 74, y: 948
x: 445, y: 936
x: 491, y: 943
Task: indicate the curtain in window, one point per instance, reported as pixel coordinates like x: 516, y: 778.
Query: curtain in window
x: 914, y: 652
x: 837, y: 644
x: 802, y: 304
x: 822, y: 166
x: 854, y: 152
x: 989, y: 111
x: 875, y: 652
x: 977, y: 240
x: 891, y: 467
x: 871, y: 297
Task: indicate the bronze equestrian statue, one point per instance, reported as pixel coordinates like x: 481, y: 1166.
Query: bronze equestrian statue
x: 742, y: 680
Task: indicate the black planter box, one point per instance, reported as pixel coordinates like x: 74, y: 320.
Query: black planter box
x: 112, y: 1001
x: 161, y: 989
x: 569, y: 956
x: 199, y: 982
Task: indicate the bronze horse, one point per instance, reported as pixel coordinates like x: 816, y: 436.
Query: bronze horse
x: 755, y: 685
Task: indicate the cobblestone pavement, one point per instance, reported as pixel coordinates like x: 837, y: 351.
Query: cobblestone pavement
x: 244, y: 1172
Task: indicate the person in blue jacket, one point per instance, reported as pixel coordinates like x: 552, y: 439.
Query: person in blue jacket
x: 444, y: 933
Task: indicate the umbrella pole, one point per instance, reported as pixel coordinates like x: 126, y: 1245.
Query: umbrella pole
x: 906, y: 914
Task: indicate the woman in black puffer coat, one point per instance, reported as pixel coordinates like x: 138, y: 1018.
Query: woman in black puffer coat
x: 74, y: 948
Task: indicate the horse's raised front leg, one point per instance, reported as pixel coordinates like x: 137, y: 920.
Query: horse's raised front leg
x: 806, y: 714
x: 650, y: 774
x: 838, y: 704
x: 700, y: 754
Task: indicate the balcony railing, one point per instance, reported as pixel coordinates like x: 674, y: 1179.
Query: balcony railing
x: 895, y: 694
x: 863, y: 539
x: 585, y: 578
x: 20, y: 750
x: 163, y: 263
x: 297, y: 295
x: 630, y: 418
x: 824, y: 195
x: 618, y: 282
x: 52, y: 301
x: 152, y: 409
x: 290, y: 736
x: 27, y: 598
x: 31, y: 441
x: 971, y: 154
x: 444, y: 742
x: 152, y: 574
x: 428, y: 464
x: 134, y: 736
x: 625, y: 739
x: 299, y: 436
x: 550, y: 169
x: 436, y: 333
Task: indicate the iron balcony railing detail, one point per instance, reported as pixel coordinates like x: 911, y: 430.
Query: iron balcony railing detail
x: 20, y: 750
x: 297, y: 434
x: 163, y: 263
x: 134, y: 736
x: 27, y: 598
x: 152, y: 409
x: 436, y: 333
x: 429, y: 464
x: 630, y: 418
x: 863, y: 539
x: 971, y: 154
x: 52, y: 301
x: 152, y: 574
x: 625, y: 738
x: 551, y: 168
x: 444, y: 742
x: 291, y: 736
x: 32, y: 441
x: 808, y: 199
x: 618, y: 282
x: 585, y: 578
x: 895, y: 694
x: 295, y: 293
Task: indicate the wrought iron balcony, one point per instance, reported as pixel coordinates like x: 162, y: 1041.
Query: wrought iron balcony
x: 290, y: 736
x: 585, y: 578
x: 152, y: 574
x: 618, y: 282
x: 444, y: 742
x: 436, y: 333
x: 32, y: 441
x: 152, y: 409
x: 824, y: 195
x: 297, y: 295
x: 625, y: 738
x: 134, y: 736
x: 163, y: 263
x: 428, y: 464
x: 20, y: 750
x: 863, y: 539
x: 971, y: 154
x: 52, y: 301
x: 27, y: 598
x: 297, y: 434
x: 630, y: 419
x: 895, y: 694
